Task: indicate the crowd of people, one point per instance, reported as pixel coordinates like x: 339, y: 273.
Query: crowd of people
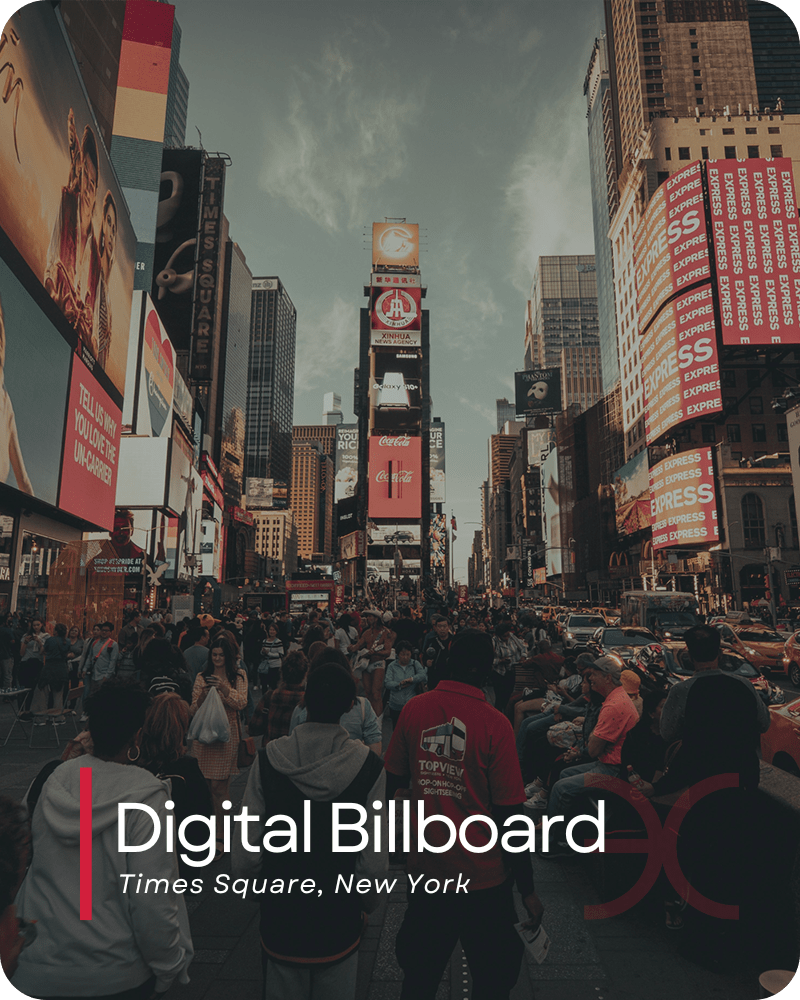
x: 513, y: 729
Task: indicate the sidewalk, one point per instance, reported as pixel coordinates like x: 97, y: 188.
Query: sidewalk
x: 631, y: 957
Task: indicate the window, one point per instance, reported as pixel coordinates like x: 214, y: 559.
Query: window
x: 654, y: 88
x: 776, y: 150
x: 756, y: 404
x: 662, y: 175
x: 695, y: 59
x: 655, y: 102
x: 703, y: 131
x: 751, y: 131
x: 730, y: 405
x: 667, y: 153
x: 693, y: 45
x: 730, y: 152
x: 699, y: 100
x: 752, y: 152
x: 709, y: 432
x: 759, y: 432
x: 753, y: 377
x: 773, y: 130
x: 783, y: 432
x: 729, y: 131
x: 704, y: 152
x: 652, y: 74
x: 728, y: 378
x: 753, y: 521
x: 683, y: 153
x: 736, y: 456
x: 698, y: 86
x: 734, y: 433
x: 692, y: 31
x: 697, y: 72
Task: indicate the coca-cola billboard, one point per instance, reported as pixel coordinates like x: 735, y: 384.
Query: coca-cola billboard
x: 395, y: 476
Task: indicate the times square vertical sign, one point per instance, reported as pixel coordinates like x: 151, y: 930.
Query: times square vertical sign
x: 206, y: 286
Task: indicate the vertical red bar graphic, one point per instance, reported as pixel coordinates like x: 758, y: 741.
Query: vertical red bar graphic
x: 86, y: 844
x: 390, y: 481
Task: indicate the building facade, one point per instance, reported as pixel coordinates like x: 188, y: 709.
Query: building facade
x: 276, y: 542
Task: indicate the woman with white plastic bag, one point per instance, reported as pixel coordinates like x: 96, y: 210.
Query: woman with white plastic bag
x: 217, y: 760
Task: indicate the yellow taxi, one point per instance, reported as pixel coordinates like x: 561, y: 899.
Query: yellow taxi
x: 780, y: 744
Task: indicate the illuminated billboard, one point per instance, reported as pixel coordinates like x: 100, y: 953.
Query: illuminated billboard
x: 632, y: 495
x: 60, y: 205
x: 346, y: 462
x: 680, y: 368
x: 540, y: 444
x: 207, y: 286
x: 395, y: 244
x: 258, y: 493
x: 683, y: 500
x: 437, y: 466
x: 670, y: 245
x: 551, y: 514
x: 537, y: 391
x: 756, y: 250
x: 395, y: 390
x: 395, y: 317
x: 395, y: 477
x: 438, y: 543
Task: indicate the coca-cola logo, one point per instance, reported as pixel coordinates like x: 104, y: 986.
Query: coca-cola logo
x: 403, y: 476
x: 404, y: 441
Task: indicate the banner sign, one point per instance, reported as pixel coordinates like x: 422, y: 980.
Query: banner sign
x: 437, y: 465
x: 551, y: 514
x: 258, y: 493
x: 437, y: 534
x: 206, y: 290
x: 540, y: 444
x: 395, y: 477
x: 632, y: 495
x: 395, y: 244
x: 683, y: 502
x: 538, y: 391
x: 670, y: 245
x: 353, y: 546
x: 756, y: 249
x: 680, y: 368
x: 158, y: 375
x: 346, y: 461
x: 384, y: 280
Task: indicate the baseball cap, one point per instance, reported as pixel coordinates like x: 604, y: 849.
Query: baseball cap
x: 631, y: 681
x: 608, y: 665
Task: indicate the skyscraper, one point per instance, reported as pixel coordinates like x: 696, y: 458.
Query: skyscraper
x: 177, y: 95
x: 505, y: 411
x: 270, y: 386
x: 776, y: 56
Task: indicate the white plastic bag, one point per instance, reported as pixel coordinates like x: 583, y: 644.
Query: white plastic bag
x: 210, y: 724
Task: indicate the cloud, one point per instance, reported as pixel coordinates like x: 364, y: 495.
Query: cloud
x: 338, y: 141
x: 487, y: 412
x: 325, y: 345
x: 547, y: 194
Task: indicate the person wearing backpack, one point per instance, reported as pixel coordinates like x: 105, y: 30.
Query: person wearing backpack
x: 405, y: 677
x: 310, y: 941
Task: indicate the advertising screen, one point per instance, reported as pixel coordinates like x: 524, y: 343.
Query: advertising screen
x: 180, y: 487
x: 60, y: 204
x: 683, y: 500
x: 393, y: 534
x: 540, y: 444
x: 680, y: 368
x: 258, y: 492
x: 395, y: 244
x: 551, y: 517
x: 207, y: 285
x: 538, y: 391
x: 34, y: 379
x: 437, y: 466
x: 91, y: 450
x: 438, y: 542
x: 158, y: 377
x: 793, y: 430
x: 395, y: 390
x: 756, y: 249
x: 632, y: 495
x: 346, y: 462
x: 395, y: 476
x: 670, y: 245
x: 396, y: 317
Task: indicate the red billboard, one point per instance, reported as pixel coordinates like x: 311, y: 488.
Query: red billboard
x: 756, y: 249
x: 91, y: 450
x: 680, y: 368
x: 395, y: 476
x: 396, y: 317
x: 683, y: 501
x: 670, y: 246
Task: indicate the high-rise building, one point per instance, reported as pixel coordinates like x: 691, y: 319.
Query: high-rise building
x: 276, y: 541
x: 270, y: 388
x: 776, y: 57
x: 580, y: 376
x: 312, y: 500
x: 322, y: 434
x: 563, y: 314
x: 177, y: 95
x: 332, y: 408
x: 605, y: 199
x: 505, y: 411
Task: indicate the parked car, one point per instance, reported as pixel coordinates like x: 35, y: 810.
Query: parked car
x: 762, y: 645
x: 780, y: 744
x: 622, y: 641
x: 680, y: 665
x: 791, y: 658
x: 579, y: 629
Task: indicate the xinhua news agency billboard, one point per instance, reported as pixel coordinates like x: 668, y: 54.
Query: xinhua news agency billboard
x: 683, y: 501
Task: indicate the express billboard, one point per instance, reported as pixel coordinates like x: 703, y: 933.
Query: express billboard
x: 437, y: 462
x: 670, y: 245
x: 395, y: 477
x: 756, y: 250
x: 680, y: 367
x: 60, y: 204
x: 683, y: 502
x: 346, y: 462
x: 632, y: 495
x: 537, y: 391
x: 551, y: 515
x: 395, y: 244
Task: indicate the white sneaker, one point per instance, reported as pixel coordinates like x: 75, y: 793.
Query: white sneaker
x: 532, y: 788
x: 536, y: 803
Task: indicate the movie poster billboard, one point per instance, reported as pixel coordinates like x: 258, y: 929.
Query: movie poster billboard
x: 437, y: 462
x: 34, y: 381
x: 60, y: 204
x: 395, y: 477
x: 756, y: 250
x: 346, y: 462
x: 683, y: 500
x: 670, y: 245
x: 680, y: 367
x: 537, y: 391
x: 395, y: 244
x: 551, y: 515
x: 632, y: 495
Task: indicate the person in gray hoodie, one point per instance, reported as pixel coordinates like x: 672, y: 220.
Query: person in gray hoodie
x: 310, y: 939
x: 135, y: 942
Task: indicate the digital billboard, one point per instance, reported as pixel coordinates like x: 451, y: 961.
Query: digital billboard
x: 395, y: 390
x: 158, y: 376
x: 756, y: 250
x: 395, y: 244
x: 551, y: 516
x: 437, y: 462
x: 683, y: 500
x: 438, y: 542
x: 680, y: 367
x: 396, y: 317
x: 346, y: 462
x: 394, y: 534
x: 670, y: 245
x: 540, y: 444
x: 60, y: 204
x: 258, y: 493
x: 632, y: 495
x: 395, y: 477
x: 537, y: 391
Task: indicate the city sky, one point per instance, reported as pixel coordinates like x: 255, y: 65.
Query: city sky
x: 467, y: 118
